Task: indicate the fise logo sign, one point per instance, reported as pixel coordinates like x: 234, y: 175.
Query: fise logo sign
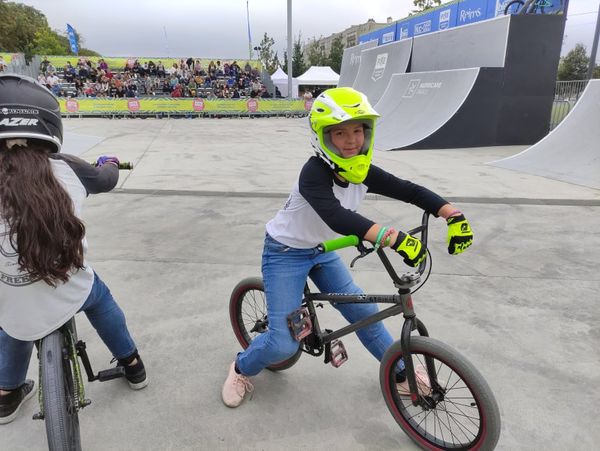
x: 445, y: 19
x: 380, y: 64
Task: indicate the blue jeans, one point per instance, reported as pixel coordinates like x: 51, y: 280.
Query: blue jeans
x: 285, y: 271
x: 104, y: 314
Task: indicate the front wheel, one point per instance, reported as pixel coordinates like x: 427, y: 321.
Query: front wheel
x: 458, y: 413
x: 248, y: 315
x: 58, y: 394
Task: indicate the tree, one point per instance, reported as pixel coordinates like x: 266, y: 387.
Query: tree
x: 336, y: 53
x: 316, y: 54
x: 48, y: 42
x: 266, y: 54
x: 424, y: 5
x: 596, y: 73
x: 20, y: 23
x: 574, y: 65
x: 24, y: 29
x: 298, y: 66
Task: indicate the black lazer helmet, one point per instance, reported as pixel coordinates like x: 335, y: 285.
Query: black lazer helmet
x: 29, y: 110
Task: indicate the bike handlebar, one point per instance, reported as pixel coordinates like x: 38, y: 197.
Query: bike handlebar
x: 353, y: 240
x: 124, y: 165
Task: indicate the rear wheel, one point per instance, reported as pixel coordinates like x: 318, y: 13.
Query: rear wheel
x: 459, y: 413
x: 248, y: 315
x: 58, y: 393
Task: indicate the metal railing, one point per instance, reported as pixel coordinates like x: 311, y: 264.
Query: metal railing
x: 566, y: 95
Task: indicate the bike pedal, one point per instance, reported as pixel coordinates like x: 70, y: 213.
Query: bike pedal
x: 299, y: 323
x: 338, y: 353
x: 112, y: 373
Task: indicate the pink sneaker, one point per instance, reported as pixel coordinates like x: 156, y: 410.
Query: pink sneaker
x: 235, y: 388
x: 422, y: 383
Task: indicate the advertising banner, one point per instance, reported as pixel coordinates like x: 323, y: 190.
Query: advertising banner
x: 403, y: 30
x: 470, y: 11
x: 386, y: 34
x: 180, y: 106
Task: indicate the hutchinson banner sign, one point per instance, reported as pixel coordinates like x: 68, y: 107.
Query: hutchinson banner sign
x: 153, y: 105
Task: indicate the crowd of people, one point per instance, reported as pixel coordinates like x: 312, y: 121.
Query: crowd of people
x: 187, y: 78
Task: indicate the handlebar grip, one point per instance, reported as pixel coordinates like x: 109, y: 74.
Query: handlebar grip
x: 124, y: 165
x: 339, y: 243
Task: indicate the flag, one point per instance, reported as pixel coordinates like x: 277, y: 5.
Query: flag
x: 72, y: 39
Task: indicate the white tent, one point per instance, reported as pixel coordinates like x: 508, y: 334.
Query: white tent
x: 319, y: 76
x: 280, y: 79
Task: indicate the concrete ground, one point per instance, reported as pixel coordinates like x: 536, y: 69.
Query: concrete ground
x: 187, y: 224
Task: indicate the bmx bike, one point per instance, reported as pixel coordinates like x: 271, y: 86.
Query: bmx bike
x: 455, y: 410
x: 61, y: 391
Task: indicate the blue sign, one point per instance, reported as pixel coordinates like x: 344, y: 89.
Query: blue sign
x: 446, y: 17
x: 72, y: 39
x: 403, y: 30
x: 470, y: 11
x: 387, y: 34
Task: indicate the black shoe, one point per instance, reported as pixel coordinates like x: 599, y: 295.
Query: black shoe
x: 135, y: 374
x: 11, y: 403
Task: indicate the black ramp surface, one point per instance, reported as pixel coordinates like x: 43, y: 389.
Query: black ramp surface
x: 351, y: 62
x: 377, y: 65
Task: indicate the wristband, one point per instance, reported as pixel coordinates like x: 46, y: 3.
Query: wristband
x: 382, y: 231
x: 455, y: 212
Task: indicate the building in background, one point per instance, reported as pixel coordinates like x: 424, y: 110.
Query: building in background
x: 349, y: 36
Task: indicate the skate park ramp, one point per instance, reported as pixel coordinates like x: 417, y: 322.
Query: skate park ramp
x: 482, y: 44
x: 351, y: 63
x: 377, y: 65
x: 570, y: 152
x: 437, y: 109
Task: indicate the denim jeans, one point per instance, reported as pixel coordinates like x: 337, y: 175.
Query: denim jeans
x: 105, y: 315
x: 285, y: 271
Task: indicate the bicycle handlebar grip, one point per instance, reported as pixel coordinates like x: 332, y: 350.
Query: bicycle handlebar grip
x: 339, y: 243
x: 125, y: 165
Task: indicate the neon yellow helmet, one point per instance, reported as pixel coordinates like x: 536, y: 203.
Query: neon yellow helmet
x: 335, y: 106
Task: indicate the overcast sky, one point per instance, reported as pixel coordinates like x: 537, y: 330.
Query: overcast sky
x: 218, y: 28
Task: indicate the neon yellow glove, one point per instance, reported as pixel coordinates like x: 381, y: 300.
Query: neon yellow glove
x: 460, y: 235
x: 410, y: 248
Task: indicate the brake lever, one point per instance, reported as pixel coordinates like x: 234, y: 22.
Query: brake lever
x: 363, y: 252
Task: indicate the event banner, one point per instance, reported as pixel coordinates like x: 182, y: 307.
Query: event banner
x: 153, y: 105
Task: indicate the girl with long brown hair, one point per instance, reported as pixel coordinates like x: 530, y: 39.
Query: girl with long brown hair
x: 44, y: 276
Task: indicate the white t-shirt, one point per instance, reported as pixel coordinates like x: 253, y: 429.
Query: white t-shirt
x: 31, y: 309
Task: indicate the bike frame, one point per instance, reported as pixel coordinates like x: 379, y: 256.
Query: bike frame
x: 402, y: 303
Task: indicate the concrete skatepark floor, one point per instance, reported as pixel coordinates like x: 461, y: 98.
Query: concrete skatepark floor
x: 187, y: 224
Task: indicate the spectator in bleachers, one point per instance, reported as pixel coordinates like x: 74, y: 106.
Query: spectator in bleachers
x: 69, y: 72
x: 50, y: 69
x: 3, y: 64
x: 212, y: 70
x: 160, y: 69
x: 44, y: 65
x: 102, y: 65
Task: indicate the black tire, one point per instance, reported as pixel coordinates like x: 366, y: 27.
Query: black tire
x: 513, y: 7
x: 248, y: 311
x: 465, y: 417
x: 62, y: 422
